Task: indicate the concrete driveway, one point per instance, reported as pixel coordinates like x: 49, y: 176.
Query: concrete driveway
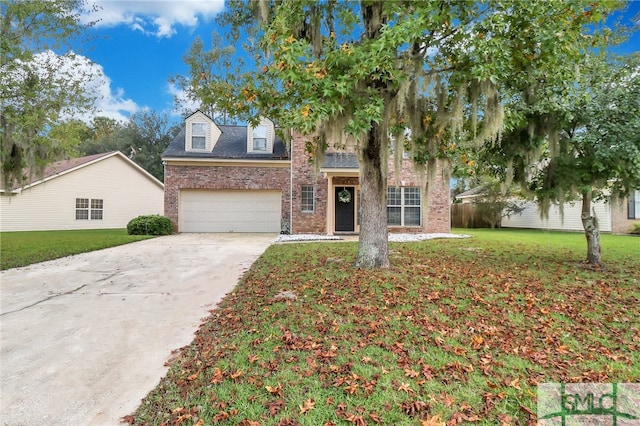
x: 85, y: 338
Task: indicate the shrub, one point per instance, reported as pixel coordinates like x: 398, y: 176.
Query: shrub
x: 636, y: 228
x: 150, y: 225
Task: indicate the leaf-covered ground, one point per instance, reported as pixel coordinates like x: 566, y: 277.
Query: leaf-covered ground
x: 455, y: 332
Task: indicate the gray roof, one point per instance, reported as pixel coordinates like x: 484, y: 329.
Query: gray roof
x: 232, y: 144
x: 340, y: 160
x: 472, y: 193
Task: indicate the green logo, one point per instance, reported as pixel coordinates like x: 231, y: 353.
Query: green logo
x: 616, y: 404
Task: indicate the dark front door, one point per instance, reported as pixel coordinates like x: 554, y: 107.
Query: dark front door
x: 345, y: 209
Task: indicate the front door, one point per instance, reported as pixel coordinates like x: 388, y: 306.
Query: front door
x: 345, y: 202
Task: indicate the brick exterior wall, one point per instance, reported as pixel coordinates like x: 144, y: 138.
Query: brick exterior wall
x: 620, y: 222
x: 436, y: 216
x: 303, y: 174
x: 179, y: 177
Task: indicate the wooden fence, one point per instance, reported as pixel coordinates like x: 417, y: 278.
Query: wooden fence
x: 465, y: 216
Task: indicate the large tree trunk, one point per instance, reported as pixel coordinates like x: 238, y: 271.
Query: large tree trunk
x: 373, y: 246
x: 591, y: 230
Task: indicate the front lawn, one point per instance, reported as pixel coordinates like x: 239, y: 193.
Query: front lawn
x: 25, y: 248
x: 456, y: 331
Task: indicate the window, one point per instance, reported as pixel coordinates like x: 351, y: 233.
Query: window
x: 260, y: 138
x: 403, y: 207
x: 405, y: 152
x: 198, y: 135
x: 308, y: 198
x: 82, y: 208
x: 89, y: 209
x: 96, y: 209
x: 634, y: 205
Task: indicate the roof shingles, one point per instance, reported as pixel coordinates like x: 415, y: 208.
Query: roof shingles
x: 232, y: 144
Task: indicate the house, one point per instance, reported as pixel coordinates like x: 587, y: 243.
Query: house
x: 94, y: 192
x: 244, y: 179
x: 613, y: 216
x: 625, y: 213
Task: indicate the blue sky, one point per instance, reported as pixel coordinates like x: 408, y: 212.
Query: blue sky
x: 138, y: 45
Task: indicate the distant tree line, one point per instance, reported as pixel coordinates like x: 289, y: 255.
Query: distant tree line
x: 142, y: 138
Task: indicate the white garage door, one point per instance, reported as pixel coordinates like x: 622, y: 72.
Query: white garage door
x: 230, y: 211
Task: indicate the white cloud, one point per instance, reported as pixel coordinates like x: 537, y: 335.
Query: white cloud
x: 108, y: 102
x: 157, y: 18
x: 183, y: 104
x: 69, y: 73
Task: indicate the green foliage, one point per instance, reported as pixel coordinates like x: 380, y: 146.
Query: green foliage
x: 599, y: 147
x: 434, y: 73
x: 143, y: 139
x: 636, y: 228
x: 569, y: 140
x: 39, y: 87
x: 214, y: 74
x: 25, y: 248
x: 458, y: 332
x: 495, y: 201
x: 150, y: 225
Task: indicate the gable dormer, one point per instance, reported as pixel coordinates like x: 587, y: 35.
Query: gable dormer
x: 201, y: 133
x: 260, y: 137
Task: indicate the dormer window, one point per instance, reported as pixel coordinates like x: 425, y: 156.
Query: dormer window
x: 260, y: 138
x: 198, y: 135
x: 201, y: 133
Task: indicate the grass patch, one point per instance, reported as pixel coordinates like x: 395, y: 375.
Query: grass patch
x: 25, y: 248
x: 455, y: 331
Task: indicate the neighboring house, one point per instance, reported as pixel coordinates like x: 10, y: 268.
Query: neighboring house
x: 613, y: 216
x: 626, y: 212
x: 94, y: 192
x: 244, y: 179
x: 570, y: 221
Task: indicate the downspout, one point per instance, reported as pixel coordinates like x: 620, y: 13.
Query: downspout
x: 291, y: 186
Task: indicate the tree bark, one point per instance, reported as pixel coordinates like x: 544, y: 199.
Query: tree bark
x: 591, y: 230
x: 373, y: 245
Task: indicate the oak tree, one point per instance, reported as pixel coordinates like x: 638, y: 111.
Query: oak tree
x: 591, y: 149
x: 430, y: 75
x: 41, y: 83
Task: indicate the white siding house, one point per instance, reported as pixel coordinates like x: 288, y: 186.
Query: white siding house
x: 570, y: 221
x: 95, y: 192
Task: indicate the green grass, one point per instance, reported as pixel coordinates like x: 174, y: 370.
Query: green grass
x: 25, y: 248
x: 455, y: 331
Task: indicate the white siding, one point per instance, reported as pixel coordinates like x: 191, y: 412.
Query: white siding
x: 126, y: 192
x: 271, y: 135
x: 212, y: 135
x: 530, y: 217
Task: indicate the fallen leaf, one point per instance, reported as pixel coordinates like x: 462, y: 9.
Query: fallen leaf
x: 375, y: 418
x: 352, y: 389
x: 432, y: 421
x: 405, y: 387
x: 307, y: 406
x: 408, y: 372
x: 275, y: 390
x: 274, y: 407
x: 448, y: 400
x: 217, y: 377
x: 515, y: 383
